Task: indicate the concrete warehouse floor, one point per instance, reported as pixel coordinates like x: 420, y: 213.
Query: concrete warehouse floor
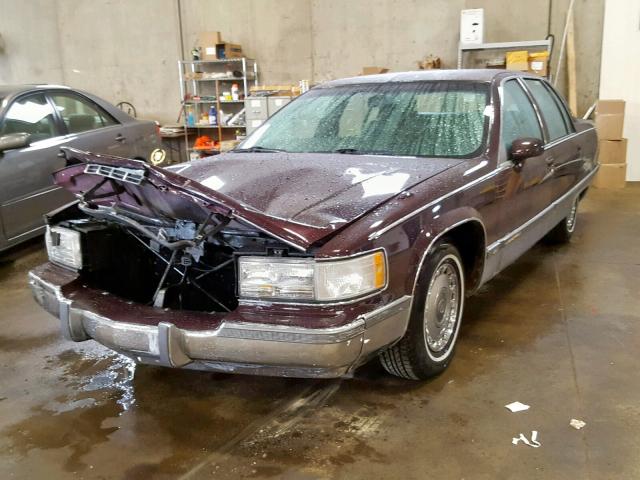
x: 559, y: 330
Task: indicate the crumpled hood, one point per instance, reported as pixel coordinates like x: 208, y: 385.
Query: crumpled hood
x: 298, y: 198
x: 320, y: 190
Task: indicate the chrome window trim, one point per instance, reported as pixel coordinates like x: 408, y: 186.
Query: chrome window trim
x: 554, y: 97
x: 503, y: 155
x: 562, y: 105
x: 509, y: 237
x: 568, y: 137
x: 548, y: 144
x: 536, y: 108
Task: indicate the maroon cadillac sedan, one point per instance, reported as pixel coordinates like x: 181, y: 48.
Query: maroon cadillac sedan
x: 351, y: 225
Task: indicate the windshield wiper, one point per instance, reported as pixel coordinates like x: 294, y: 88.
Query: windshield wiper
x: 257, y: 149
x: 355, y: 151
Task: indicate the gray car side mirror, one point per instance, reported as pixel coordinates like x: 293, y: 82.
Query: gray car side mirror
x: 12, y: 141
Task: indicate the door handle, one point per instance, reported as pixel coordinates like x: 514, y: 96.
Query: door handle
x: 120, y: 138
x: 550, y: 161
x: 61, y: 154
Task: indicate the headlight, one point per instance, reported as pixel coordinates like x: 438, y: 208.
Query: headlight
x: 63, y: 247
x: 308, y: 279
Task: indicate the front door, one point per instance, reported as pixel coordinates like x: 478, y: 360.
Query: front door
x: 525, y: 187
x: 28, y: 191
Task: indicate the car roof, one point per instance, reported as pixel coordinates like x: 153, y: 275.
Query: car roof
x: 10, y: 90
x: 477, y: 74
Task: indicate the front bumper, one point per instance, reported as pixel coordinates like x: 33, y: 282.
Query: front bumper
x: 252, y: 348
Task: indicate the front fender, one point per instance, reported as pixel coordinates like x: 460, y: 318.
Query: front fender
x: 436, y: 227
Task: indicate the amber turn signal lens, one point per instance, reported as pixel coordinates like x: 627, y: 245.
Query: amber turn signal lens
x: 380, y: 270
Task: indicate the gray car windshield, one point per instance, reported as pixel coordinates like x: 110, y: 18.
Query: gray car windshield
x: 430, y: 118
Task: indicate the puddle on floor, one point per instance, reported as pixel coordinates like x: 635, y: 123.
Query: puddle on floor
x: 102, y: 389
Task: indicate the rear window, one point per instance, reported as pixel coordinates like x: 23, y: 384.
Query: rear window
x: 432, y: 119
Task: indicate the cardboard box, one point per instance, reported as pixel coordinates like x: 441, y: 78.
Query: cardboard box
x: 611, y: 175
x: 539, y: 63
x: 612, y: 151
x: 207, y: 42
x: 610, y: 119
x: 228, y: 50
x: 518, y: 60
x: 373, y: 70
x: 472, y: 26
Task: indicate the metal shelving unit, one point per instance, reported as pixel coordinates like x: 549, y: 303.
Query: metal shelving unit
x: 216, y: 81
x: 539, y: 44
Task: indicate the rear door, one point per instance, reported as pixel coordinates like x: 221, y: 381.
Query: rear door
x: 88, y: 126
x: 28, y: 190
x: 562, y: 150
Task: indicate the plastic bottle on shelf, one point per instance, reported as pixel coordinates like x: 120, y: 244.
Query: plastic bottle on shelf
x: 235, y: 92
x: 213, y: 114
x: 191, y: 121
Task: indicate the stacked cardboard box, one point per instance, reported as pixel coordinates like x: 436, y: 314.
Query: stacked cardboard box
x: 525, y: 61
x: 212, y: 47
x: 612, y: 147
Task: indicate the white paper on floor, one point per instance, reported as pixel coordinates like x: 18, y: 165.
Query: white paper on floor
x: 517, y: 407
x: 577, y: 424
x: 532, y: 443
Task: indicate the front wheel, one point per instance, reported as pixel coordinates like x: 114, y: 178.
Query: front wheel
x: 429, y: 343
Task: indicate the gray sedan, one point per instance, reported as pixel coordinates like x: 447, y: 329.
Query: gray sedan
x: 35, y: 121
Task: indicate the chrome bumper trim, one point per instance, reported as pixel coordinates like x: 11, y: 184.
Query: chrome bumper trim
x: 238, y: 347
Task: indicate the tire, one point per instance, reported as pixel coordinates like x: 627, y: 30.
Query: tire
x: 419, y: 355
x: 563, y: 232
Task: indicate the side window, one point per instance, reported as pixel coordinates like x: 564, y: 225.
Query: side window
x: 32, y: 115
x: 79, y: 115
x: 518, y: 116
x: 550, y: 110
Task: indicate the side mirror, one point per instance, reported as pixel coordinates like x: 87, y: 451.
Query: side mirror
x: 523, y: 148
x: 14, y: 140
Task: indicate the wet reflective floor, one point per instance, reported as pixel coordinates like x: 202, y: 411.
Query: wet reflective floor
x: 559, y: 331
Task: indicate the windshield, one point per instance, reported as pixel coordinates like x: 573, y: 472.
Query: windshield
x: 432, y: 118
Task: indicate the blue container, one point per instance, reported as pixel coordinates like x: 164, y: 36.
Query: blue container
x: 213, y: 115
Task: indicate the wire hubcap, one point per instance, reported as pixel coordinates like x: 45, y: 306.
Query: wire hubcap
x: 442, y: 306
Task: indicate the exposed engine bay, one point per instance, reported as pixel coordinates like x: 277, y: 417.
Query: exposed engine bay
x: 166, y: 263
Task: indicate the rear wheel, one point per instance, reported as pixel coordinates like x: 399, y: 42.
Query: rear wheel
x: 429, y: 343
x: 562, y: 232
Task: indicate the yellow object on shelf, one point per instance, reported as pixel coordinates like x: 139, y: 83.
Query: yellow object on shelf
x: 518, y: 60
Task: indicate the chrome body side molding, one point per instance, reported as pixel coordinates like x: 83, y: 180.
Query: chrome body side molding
x: 491, y: 249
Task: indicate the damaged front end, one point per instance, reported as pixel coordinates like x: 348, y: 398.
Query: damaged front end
x: 168, y: 272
